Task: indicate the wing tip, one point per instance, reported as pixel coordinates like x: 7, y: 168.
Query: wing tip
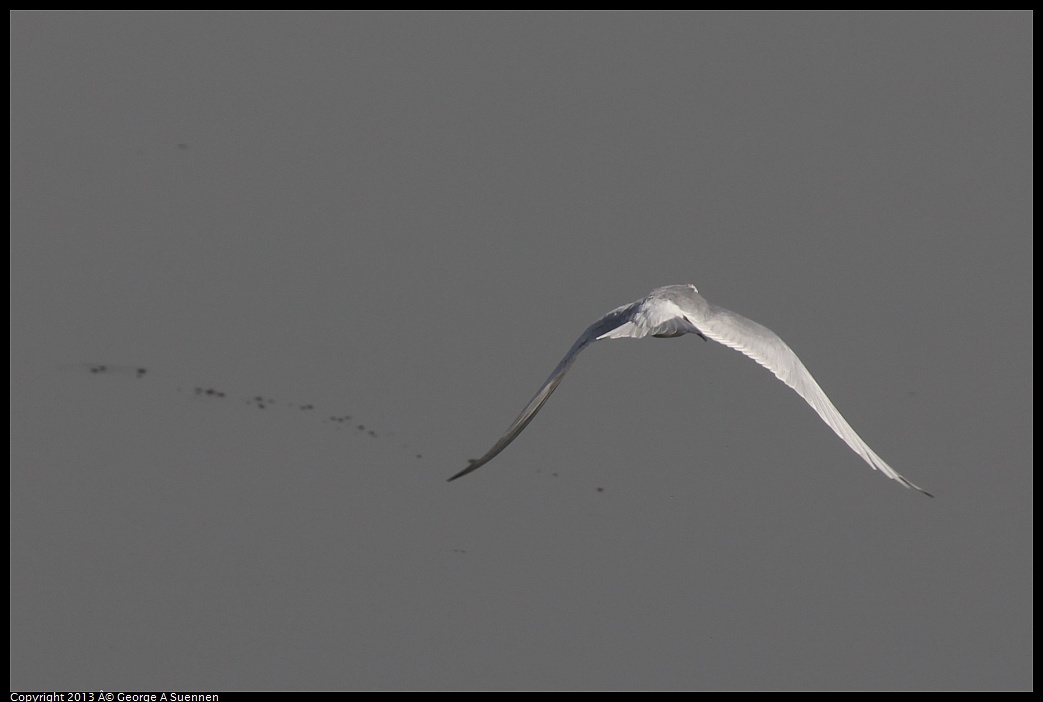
x: 472, y: 465
x: 924, y: 492
x: 913, y: 486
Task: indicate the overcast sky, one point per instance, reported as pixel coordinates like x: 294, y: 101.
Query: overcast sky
x: 407, y: 219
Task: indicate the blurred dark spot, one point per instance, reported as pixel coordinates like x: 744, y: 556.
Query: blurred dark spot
x: 258, y: 401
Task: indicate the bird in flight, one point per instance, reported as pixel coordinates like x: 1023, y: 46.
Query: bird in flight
x: 680, y: 309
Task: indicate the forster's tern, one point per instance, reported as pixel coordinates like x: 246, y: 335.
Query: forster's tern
x: 680, y: 309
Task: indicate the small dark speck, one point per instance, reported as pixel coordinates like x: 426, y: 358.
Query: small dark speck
x: 362, y: 428
x: 601, y: 489
x: 372, y: 433
x: 123, y: 370
x: 307, y: 407
x: 419, y: 456
x: 181, y: 147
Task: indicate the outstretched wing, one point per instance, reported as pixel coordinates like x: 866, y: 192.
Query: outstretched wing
x: 617, y: 319
x: 766, y: 348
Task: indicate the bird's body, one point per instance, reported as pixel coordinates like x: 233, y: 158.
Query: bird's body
x: 680, y: 309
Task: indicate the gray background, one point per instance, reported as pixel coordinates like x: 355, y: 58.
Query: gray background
x: 408, y: 218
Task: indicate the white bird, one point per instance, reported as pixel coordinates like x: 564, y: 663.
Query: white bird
x: 680, y: 309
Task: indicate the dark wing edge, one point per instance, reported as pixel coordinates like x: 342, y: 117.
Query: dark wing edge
x: 595, y: 331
